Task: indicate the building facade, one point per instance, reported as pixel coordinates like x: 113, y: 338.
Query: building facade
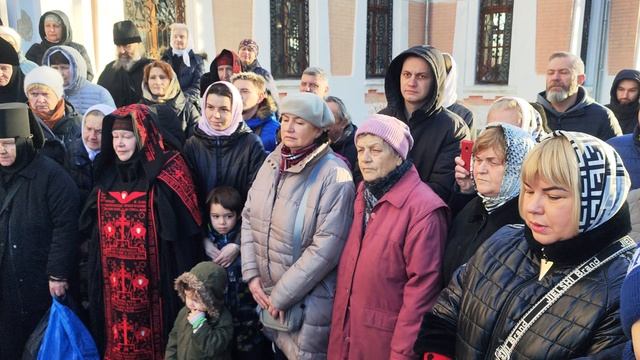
x: 500, y: 46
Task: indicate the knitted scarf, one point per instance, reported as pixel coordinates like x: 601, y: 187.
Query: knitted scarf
x: 289, y: 157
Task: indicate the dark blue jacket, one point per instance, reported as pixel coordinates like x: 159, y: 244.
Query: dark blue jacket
x: 628, y: 146
x: 267, y: 128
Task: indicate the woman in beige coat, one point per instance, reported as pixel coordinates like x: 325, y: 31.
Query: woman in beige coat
x: 280, y: 281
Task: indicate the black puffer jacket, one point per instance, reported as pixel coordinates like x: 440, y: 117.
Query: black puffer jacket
x: 232, y: 160
x: 471, y: 228
x: 436, y: 131
x: 486, y: 298
x: 627, y: 114
x: 585, y: 115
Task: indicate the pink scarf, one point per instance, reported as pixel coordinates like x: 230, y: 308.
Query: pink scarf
x: 236, y: 112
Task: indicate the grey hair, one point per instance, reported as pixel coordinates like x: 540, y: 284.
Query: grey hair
x: 315, y: 71
x: 52, y: 17
x: 179, y: 26
x: 342, y: 108
x: 577, y: 65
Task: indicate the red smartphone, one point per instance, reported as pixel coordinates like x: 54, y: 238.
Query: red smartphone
x: 466, y: 147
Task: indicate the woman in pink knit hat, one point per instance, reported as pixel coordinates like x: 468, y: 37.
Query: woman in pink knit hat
x: 389, y: 272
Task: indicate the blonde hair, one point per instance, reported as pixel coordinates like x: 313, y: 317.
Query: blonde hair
x: 555, y: 161
x: 507, y: 104
x: 257, y: 80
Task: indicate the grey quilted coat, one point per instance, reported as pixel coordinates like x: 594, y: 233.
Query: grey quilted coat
x: 267, y: 231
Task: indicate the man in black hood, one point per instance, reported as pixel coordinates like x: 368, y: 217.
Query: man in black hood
x: 414, y: 87
x: 624, y: 99
x: 55, y: 29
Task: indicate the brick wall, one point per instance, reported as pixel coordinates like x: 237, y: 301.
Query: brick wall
x: 623, y: 34
x: 233, y: 21
x: 417, y: 19
x: 442, y: 25
x: 341, y: 31
x: 553, y: 29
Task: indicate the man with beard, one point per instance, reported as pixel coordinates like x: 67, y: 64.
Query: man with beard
x: 624, y: 99
x: 123, y: 76
x: 567, y: 104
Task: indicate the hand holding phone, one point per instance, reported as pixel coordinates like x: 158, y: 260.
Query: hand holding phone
x: 466, y: 148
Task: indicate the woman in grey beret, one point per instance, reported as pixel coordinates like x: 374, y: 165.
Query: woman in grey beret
x: 294, y: 225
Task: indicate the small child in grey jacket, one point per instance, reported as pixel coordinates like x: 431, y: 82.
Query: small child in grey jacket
x: 203, y: 328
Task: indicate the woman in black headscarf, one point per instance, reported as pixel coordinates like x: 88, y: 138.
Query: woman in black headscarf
x: 11, y: 77
x: 144, y: 217
x: 39, y: 221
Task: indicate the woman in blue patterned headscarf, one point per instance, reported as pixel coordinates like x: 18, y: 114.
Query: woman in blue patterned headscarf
x: 494, y: 184
x: 548, y: 289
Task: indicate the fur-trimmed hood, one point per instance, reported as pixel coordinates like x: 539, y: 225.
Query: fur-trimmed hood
x: 209, y: 280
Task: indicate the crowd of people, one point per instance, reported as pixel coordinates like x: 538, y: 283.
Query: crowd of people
x: 200, y: 215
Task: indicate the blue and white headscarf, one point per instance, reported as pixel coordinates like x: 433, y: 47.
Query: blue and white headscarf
x: 604, y: 181
x: 519, y: 143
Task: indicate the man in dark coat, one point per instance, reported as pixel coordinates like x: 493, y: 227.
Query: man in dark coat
x: 123, y: 76
x: 624, y: 99
x: 55, y: 29
x: 39, y: 222
x: 567, y: 104
x: 414, y: 87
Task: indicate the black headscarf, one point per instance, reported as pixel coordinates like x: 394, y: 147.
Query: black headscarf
x: 150, y: 155
x: 14, y: 115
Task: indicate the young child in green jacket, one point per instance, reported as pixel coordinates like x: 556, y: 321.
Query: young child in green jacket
x: 203, y: 328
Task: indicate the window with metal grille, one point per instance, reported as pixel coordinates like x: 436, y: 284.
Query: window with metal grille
x: 289, y: 38
x: 494, y: 42
x: 153, y: 18
x: 379, y: 31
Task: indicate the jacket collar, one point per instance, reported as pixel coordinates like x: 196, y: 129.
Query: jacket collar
x: 274, y: 158
x: 396, y: 198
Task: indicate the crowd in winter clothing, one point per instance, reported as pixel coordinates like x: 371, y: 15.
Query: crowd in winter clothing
x: 199, y: 214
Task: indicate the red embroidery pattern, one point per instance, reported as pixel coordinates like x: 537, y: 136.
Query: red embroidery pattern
x: 133, y: 307
x: 177, y: 176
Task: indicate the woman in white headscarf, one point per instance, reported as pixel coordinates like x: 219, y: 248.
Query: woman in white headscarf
x: 450, y: 92
x: 223, y: 151
x: 188, y: 65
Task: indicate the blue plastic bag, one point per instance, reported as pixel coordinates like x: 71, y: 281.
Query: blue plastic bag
x: 66, y: 337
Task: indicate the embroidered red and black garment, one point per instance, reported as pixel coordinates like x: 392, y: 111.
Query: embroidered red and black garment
x: 131, y: 278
